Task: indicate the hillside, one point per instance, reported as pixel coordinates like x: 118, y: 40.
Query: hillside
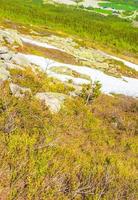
x: 122, y: 8
x: 110, y: 33
x: 68, y: 104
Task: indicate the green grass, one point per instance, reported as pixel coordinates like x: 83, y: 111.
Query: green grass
x: 127, y: 13
x: 99, y: 10
x: 37, y: 1
x: 119, y: 6
x: 105, y: 32
x: 108, y: 12
x: 127, y: 2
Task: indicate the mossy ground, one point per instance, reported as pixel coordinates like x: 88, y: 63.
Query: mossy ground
x: 38, y: 81
x: 67, y: 71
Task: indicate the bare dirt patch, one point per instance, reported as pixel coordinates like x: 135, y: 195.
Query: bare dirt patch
x: 53, y: 54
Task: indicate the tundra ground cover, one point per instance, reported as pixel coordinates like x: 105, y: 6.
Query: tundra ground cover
x: 112, y: 32
x: 96, y: 145
x: 86, y: 151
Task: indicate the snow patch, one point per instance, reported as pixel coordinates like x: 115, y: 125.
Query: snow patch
x: 126, y: 86
x: 45, y: 45
x: 40, y: 44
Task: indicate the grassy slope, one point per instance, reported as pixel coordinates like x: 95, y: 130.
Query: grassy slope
x: 110, y: 32
x: 119, y: 6
x: 85, y: 151
x: 127, y: 2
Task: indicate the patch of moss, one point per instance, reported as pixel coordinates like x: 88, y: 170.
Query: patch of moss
x: 118, y: 69
x: 67, y: 71
x: 38, y: 82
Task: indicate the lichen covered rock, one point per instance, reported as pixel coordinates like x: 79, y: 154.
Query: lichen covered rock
x: 18, y: 91
x: 10, y: 37
x: 53, y: 100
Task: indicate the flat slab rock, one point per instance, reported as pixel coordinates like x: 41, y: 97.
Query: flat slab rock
x: 53, y: 100
x: 20, y: 60
x: 10, y: 37
x: 4, y: 74
x: 3, y: 50
x: 18, y: 91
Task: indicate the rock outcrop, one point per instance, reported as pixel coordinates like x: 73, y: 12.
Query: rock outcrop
x: 4, y: 74
x: 18, y: 91
x: 10, y: 37
x: 53, y: 100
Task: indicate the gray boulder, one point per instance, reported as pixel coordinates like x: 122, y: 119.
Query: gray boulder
x: 20, y: 60
x: 6, y: 57
x: 53, y: 100
x: 4, y: 74
x: 18, y: 91
x: 10, y: 37
x: 5, y: 54
x: 3, y: 50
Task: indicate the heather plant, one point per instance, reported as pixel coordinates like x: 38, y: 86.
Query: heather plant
x: 77, y: 153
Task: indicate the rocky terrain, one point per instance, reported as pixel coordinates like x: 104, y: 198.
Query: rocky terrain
x: 66, y: 61
x: 68, y: 118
